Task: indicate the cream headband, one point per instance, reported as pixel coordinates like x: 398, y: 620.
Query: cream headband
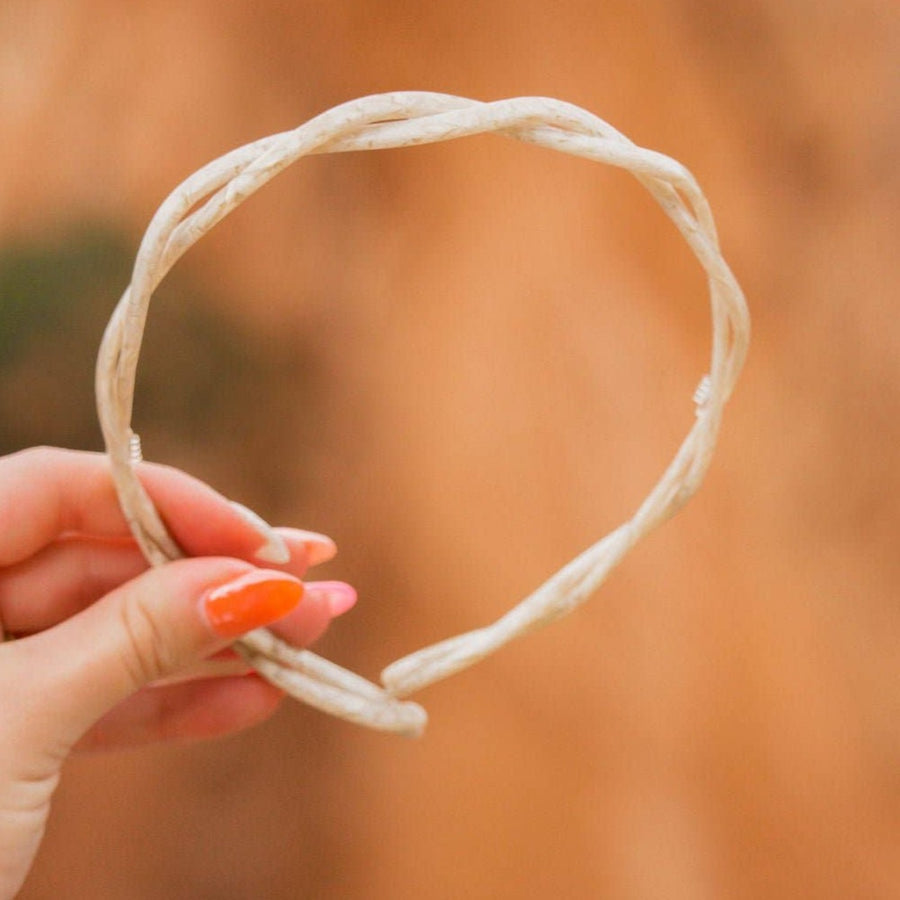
x: 401, y: 120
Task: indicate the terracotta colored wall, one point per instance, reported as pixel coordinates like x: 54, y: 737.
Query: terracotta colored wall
x: 505, y: 342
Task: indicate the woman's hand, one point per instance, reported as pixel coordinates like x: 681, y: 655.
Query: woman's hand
x: 104, y: 646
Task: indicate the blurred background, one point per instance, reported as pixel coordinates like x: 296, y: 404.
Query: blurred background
x: 466, y: 363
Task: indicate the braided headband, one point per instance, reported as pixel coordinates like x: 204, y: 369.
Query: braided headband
x: 400, y: 120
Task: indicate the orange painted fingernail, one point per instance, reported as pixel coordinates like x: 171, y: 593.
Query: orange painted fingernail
x: 251, y: 601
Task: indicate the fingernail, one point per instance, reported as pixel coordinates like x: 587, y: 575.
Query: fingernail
x: 337, y: 595
x: 250, y: 601
x: 274, y: 549
x: 319, y: 547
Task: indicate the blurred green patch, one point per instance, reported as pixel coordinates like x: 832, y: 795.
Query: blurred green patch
x: 54, y: 298
x: 208, y: 388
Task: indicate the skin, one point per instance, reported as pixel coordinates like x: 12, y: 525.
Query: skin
x: 96, y: 630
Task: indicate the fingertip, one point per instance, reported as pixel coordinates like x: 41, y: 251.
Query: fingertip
x: 322, y: 602
x: 338, y: 596
x: 316, y: 548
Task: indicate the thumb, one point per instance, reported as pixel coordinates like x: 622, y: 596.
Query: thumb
x: 148, y: 628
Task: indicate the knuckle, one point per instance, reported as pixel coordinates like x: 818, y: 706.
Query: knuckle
x: 41, y: 455
x: 144, y: 651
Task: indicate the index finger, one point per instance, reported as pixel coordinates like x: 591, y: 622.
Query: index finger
x: 47, y: 492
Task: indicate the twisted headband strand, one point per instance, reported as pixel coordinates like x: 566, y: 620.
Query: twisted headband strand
x: 399, y: 120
